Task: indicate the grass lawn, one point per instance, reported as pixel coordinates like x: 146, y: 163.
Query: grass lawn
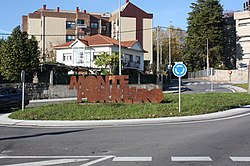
x: 244, y: 86
x: 192, y: 104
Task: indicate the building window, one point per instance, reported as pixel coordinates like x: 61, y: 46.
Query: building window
x: 67, y: 57
x: 70, y: 38
x: 80, y: 22
x: 95, y: 55
x: 104, y: 27
x: 128, y: 58
x: 138, y: 59
x: 94, y: 25
x: 244, y: 24
x: 70, y: 24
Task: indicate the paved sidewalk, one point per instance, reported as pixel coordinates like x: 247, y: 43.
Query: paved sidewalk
x: 225, y: 115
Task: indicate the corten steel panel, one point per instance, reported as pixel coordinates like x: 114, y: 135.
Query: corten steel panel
x: 114, y: 89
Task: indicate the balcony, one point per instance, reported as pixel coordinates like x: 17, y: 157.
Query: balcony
x: 132, y: 64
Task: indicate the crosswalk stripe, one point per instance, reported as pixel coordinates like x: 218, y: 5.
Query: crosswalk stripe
x: 135, y: 159
x: 240, y: 158
x: 191, y: 159
x: 49, y: 162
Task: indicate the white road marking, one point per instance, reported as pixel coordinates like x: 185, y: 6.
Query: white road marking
x: 134, y: 159
x: 97, y: 161
x: 191, y: 159
x: 49, y: 162
x: 240, y: 158
x: 49, y: 157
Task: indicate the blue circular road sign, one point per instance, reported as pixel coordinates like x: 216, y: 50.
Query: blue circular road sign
x: 179, y: 69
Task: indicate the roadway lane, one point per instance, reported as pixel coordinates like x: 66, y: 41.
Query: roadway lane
x: 208, y: 143
x: 204, y: 86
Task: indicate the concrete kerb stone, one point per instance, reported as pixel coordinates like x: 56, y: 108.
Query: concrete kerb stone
x: 5, y: 120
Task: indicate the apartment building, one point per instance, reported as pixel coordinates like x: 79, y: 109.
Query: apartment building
x: 55, y: 26
x: 136, y: 24
x: 242, y: 19
x: 52, y: 27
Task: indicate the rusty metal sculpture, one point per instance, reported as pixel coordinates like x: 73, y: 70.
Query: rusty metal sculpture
x: 112, y: 89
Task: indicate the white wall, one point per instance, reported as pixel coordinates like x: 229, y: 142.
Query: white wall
x: 88, y: 55
x: 55, y: 26
x: 128, y: 24
x: 34, y: 28
x: 148, y: 39
x: 242, y: 29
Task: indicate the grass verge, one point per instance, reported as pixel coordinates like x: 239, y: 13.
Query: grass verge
x: 244, y: 86
x: 192, y: 104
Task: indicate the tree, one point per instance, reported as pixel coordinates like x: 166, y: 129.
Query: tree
x: 107, y: 60
x: 205, y: 21
x: 177, y: 43
x: 18, y: 53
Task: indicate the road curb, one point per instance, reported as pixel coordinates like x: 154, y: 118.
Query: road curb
x: 237, y: 112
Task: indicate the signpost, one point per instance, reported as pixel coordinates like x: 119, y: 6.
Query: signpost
x: 179, y: 70
x: 23, y: 80
x: 212, y: 72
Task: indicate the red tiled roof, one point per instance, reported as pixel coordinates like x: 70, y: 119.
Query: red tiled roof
x: 97, y: 40
x: 129, y: 44
x: 65, y: 45
x: 100, y: 40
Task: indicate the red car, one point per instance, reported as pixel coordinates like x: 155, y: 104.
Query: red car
x: 12, y: 98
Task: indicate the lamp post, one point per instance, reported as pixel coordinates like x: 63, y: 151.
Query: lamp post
x: 169, y: 52
x: 207, y: 59
x: 120, y: 56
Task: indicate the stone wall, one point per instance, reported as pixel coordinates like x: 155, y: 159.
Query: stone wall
x: 35, y: 91
x: 237, y: 76
x: 46, y: 91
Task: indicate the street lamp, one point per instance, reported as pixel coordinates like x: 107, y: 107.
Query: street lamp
x: 207, y: 59
x: 169, y: 55
x: 120, y: 56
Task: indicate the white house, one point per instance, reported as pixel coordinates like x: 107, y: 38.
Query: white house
x: 82, y: 52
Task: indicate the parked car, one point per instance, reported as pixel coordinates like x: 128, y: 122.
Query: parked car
x: 12, y: 98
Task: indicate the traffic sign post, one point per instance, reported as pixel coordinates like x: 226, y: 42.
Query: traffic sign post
x: 23, y: 80
x: 179, y: 70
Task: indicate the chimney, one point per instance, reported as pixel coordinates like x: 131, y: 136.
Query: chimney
x: 58, y: 9
x: 44, y: 7
x: 77, y: 9
x: 127, y: 1
x: 85, y: 11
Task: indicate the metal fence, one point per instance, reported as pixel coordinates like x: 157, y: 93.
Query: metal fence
x: 199, y: 74
x: 133, y: 79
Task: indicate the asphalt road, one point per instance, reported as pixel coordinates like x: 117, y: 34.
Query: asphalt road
x: 208, y: 143
x: 219, y: 143
x: 204, y: 86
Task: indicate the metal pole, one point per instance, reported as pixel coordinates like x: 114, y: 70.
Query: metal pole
x: 169, y: 51
x: 212, y: 84
x: 179, y: 94
x: 207, y: 59
x: 23, y: 97
x: 120, y: 56
x: 248, y: 91
x: 157, y: 58
x: 43, y: 39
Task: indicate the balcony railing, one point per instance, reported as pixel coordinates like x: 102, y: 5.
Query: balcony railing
x: 132, y: 64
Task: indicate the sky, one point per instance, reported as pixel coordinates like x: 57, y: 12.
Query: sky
x: 164, y: 11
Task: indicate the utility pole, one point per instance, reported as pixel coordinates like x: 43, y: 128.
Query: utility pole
x: 157, y: 56
x: 158, y: 50
x: 207, y: 60
x: 248, y: 90
x: 120, y: 56
x: 169, y: 51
